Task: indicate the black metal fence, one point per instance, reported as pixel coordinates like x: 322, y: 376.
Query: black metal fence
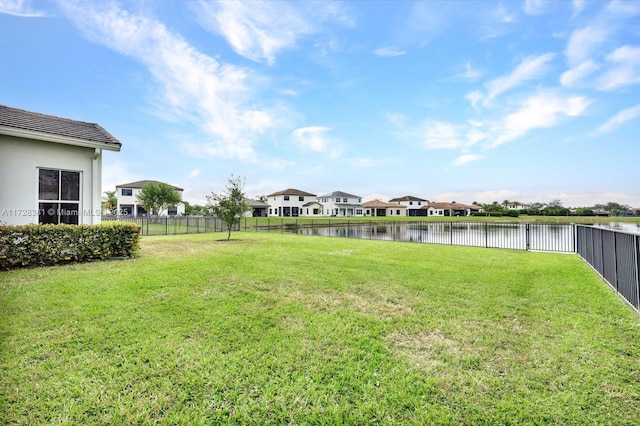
x: 172, y: 225
x: 614, y: 255
x: 518, y: 236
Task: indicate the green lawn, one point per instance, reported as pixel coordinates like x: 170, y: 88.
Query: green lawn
x: 274, y: 328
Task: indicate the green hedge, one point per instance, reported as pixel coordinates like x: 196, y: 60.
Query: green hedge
x: 45, y: 245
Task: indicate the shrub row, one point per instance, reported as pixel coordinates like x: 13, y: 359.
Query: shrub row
x: 45, y: 245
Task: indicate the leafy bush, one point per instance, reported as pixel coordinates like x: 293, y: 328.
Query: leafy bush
x: 45, y: 245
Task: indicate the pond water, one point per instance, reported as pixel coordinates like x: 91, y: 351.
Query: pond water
x: 633, y: 228
x: 542, y: 237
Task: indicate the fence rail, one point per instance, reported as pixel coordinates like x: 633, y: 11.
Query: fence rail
x: 518, y: 236
x: 172, y: 225
x: 615, y: 256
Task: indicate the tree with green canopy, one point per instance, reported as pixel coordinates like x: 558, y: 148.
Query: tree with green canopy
x: 230, y: 205
x: 157, y: 196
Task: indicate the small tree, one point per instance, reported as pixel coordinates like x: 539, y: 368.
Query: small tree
x: 230, y: 205
x: 158, y: 196
x: 109, y: 200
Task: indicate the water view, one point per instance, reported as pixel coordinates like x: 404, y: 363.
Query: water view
x: 520, y: 236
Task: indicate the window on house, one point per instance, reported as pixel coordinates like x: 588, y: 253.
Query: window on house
x: 58, y: 196
x: 126, y: 192
x: 359, y: 211
x: 419, y: 203
x: 301, y: 198
x: 410, y: 203
x: 286, y: 198
x: 315, y: 211
x: 337, y: 200
x: 398, y: 212
x: 359, y: 200
x: 344, y: 200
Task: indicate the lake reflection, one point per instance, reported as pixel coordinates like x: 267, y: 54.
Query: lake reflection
x: 520, y: 236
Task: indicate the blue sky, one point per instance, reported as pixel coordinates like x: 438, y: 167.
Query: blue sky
x: 446, y: 100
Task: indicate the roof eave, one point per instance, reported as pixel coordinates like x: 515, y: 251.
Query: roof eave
x: 48, y: 137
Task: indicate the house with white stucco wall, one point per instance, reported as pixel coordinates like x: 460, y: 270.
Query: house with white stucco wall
x: 128, y: 204
x: 50, y: 168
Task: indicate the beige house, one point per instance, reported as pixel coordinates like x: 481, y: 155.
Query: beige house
x: 50, y: 168
x: 380, y: 208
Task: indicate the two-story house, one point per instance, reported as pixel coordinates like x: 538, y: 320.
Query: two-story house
x: 340, y: 203
x: 413, y: 204
x: 290, y: 202
x: 128, y: 204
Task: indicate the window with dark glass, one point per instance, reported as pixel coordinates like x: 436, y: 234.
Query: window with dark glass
x: 301, y: 198
x: 58, y: 196
x: 127, y: 192
x: 286, y: 198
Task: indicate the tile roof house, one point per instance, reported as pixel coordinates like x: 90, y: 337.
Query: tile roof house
x: 414, y: 204
x: 380, y: 208
x: 50, y: 168
x: 450, y: 209
x: 340, y: 203
x: 127, y: 195
x: 288, y: 202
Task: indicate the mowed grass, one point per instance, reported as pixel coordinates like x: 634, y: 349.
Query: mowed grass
x: 277, y: 328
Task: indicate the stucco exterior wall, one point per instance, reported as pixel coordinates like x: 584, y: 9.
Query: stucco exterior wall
x: 20, y: 160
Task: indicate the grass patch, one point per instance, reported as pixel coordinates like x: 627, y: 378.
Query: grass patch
x: 277, y: 328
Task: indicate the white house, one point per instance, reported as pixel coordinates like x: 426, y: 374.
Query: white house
x: 515, y: 205
x: 340, y: 203
x: 50, y: 168
x: 450, y: 209
x: 128, y: 204
x: 380, y: 208
x: 288, y: 202
x: 413, y: 204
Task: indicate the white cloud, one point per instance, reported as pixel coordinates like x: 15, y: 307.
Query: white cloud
x: 578, y: 6
x: 474, y: 97
x: 19, y: 8
x: 618, y: 120
x: 533, y: 7
x: 574, y: 75
x: 191, y: 86
x: 314, y: 138
x: 440, y: 135
x: 466, y: 159
x: 193, y: 173
x: 542, y: 110
x: 529, y: 68
x: 583, y: 42
x: 470, y: 73
x: 624, y: 69
x: 256, y: 30
x: 362, y: 162
x: 388, y: 52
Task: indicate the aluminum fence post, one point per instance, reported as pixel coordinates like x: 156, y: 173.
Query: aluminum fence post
x: 527, y: 237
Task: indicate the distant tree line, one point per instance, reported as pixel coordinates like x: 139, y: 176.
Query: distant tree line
x: 555, y: 208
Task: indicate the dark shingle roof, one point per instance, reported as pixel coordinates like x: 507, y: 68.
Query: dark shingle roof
x: 291, y: 191
x: 407, y: 198
x: 140, y: 183
x: 36, y: 122
x: 339, y: 194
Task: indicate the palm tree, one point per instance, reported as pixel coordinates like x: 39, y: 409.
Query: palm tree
x: 109, y: 201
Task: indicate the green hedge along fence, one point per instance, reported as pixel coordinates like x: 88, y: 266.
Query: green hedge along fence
x: 46, y: 245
